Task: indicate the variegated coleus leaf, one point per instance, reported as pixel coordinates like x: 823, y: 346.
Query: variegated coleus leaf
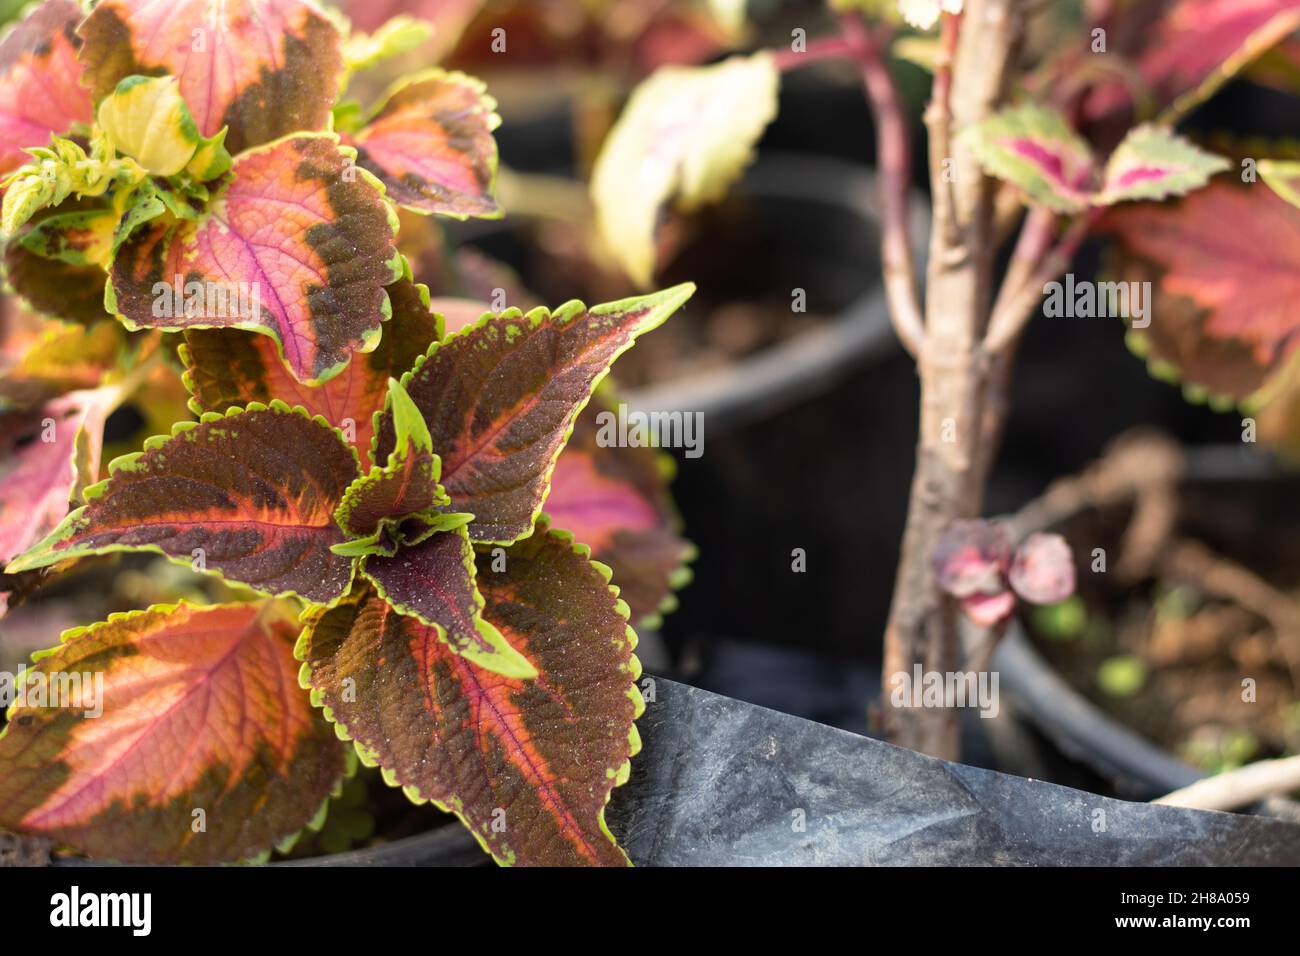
x: 1033, y: 148
x: 685, y: 136
x: 416, y: 551
x: 614, y: 498
x: 1152, y: 163
x: 407, y: 484
x: 47, y: 455
x: 433, y: 581
x: 262, y: 68
x: 501, y: 396
x: 249, y: 494
x: 297, y: 244
x: 54, y: 260
x: 40, y: 89
x: 528, y: 765
x: 430, y: 142
x: 225, y: 367
x: 1283, y: 177
x: 134, y: 730
x: 1184, y: 50
x: 1224, y: 267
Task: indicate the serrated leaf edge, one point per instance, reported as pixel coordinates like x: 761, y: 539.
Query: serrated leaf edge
x: 284, y: 844
x: 44, y: 549
x: 369, y: 339
x: 620, y: 774
x: 665, y: 303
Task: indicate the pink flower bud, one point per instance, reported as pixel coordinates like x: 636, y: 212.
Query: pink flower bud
x: 1043, y: 569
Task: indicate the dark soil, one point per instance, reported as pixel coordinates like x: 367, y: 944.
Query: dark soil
x: 1167, y: 655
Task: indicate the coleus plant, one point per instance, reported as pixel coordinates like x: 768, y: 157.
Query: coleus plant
x: 370, y: 486
x: 1047, y: 124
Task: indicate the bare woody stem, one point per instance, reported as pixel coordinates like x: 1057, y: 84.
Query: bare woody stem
x: 978, y: 54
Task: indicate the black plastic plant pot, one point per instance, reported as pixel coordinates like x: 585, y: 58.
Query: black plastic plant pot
x: 1133, y: 765
x: 801, y: 439
x: 725, y: 783
x: 818, y: 229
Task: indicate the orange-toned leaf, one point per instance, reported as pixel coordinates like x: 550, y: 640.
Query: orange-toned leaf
x: 1226, y: 267
x: 528, y: 765
x: 57, y: 288
x: 226, y: 367
x: 158, y: 721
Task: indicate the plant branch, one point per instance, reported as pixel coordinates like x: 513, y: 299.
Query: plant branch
x: 1238, y: 788
x: 817, y: 51
x: 978, y: 55
x: 1031, y: 269
x: 894, y: 162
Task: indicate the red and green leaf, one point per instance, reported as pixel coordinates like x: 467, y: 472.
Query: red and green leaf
x: 1033, y: 148
x: 262, y: 68
x: 306, y: 238
x: 1186, y: 49
x: 1153, y: 163
x: 528, y: 765
x: 200, y: 712
x: 50, y: 261
x: 501, y: 396
x: 48, y: 454
x: 406, y: 485
x: 249, y: 494
x: 431, y: 144
x: 40, y: 89
x: 226, y: 367
x: 1226, y: 266
x: 615, y: 500
x: 434, y: 581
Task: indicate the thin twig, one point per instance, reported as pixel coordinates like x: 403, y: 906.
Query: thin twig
x: 1238, y: 788
x: 1017, y: 304
x: 894, y: 159
x: 817, y: 51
